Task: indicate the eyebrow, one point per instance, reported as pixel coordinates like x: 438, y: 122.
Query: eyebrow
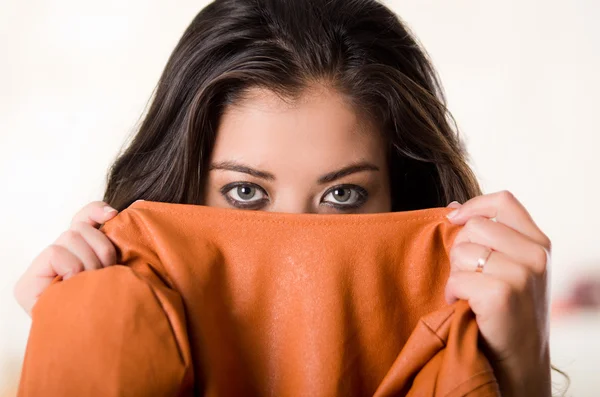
x: 327, y: 178
x: 237, y: 167
x: 348, y: 170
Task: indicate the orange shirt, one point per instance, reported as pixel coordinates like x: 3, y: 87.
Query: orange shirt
x: 220, y: 302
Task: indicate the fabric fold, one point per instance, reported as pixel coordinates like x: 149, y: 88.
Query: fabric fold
x: 219, y: 302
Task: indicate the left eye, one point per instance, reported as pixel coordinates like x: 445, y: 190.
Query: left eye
x: 343, y: 196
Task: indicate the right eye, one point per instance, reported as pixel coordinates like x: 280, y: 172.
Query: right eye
x: 244, y: 195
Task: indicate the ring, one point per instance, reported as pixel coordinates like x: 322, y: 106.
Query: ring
x: 482, y: 261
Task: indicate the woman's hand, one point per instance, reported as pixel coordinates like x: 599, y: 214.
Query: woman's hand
x: 509, y: 295
x: 82, y: 247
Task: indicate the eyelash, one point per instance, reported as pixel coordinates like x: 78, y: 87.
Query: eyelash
x: 363, y: 195
x: 240, y: 204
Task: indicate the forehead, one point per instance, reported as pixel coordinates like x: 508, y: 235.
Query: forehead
x: 319, y: 128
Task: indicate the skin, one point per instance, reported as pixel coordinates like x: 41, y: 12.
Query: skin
x: 292, y: 142
x: 283, y: 156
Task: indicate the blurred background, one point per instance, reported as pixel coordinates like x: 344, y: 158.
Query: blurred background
x: 522, y: 80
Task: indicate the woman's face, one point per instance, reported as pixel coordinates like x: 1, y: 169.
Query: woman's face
x: 315, y: 155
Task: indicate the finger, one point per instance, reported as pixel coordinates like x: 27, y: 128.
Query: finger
x: 487, y: 295
x: 74, y: 242
x: 53, y: 261
x: 506, y: 209
x: 454, y: 205
x: 499, y: 237
x: 58, y: 261
x: 496, y: 306
x: 95, y: 214
x: 464, y: 257
x: 100, y: 244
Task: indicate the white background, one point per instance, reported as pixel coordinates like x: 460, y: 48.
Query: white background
x: 522, y: 79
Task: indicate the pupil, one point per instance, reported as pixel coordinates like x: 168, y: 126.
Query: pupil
x: 246, y: 192
x: 342, y: 194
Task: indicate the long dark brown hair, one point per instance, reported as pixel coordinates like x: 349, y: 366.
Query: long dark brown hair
x: 358, y: 47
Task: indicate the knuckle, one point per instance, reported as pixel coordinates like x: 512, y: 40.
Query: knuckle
x: 20, y: 294
x: 106, y: 254
x: 506, y: 196
x: 453, y: 254
x: 452, y: 281
x: 523, y: 279
x: 461, y: 236
x: 457, y: 252
x: 474, y: 224
x: 63, y: 258
x: 17, y: 292
x: 70, y: 236
x: 546, y: 243
x: 54, y: 251
x: 540, y: 259
x: 77, y: 226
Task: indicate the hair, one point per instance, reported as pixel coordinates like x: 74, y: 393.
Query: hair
x: 359, y: 47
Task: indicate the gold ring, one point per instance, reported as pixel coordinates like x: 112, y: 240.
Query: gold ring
x: 482, y: 261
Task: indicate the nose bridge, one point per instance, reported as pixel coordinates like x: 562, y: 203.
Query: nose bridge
x: 294, y: 200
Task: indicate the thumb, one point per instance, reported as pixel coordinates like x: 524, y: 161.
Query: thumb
x: 95, y: 214
x: 454, y: 205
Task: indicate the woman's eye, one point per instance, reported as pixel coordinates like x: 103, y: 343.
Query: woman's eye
x: 343, y: 196
x: 246, y: 193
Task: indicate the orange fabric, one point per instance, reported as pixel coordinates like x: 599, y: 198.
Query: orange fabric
x: 220, y: 302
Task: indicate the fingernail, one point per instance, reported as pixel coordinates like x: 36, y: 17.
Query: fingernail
x: 67, y: 276
x: 455, y: 205
x: 452, y: 214
x: 108, y: 209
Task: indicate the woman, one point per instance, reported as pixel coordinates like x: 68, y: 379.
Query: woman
x: 326, y: 107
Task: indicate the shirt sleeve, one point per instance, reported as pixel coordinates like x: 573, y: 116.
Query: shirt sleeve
x: 108, y: 332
